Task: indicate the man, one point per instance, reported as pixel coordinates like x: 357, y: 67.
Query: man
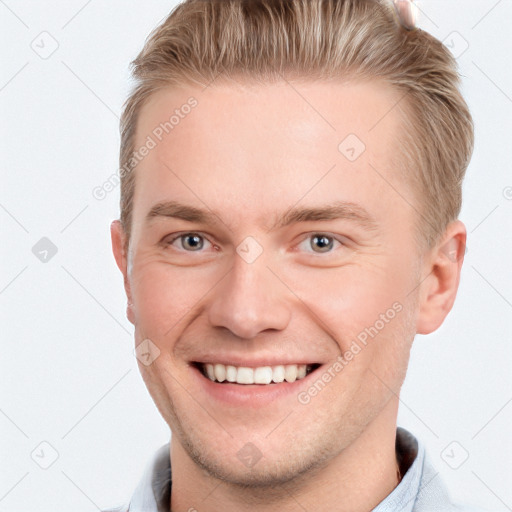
x: 311, y: 153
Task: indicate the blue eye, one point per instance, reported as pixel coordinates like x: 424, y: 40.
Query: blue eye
x: 324, y: 243
x: 318, y: 243
x: 191, y: 242
x: 321, y: 243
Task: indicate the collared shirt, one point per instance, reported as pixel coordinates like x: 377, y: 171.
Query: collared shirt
x: 420, y: 490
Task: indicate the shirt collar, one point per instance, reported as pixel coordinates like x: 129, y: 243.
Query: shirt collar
x: 410, y: 454
x: 153, y: 492
x: 154, y: 489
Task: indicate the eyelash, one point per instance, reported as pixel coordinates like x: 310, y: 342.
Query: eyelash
x: 308, y: 237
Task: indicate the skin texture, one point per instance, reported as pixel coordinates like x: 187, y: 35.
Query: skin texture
x: 250, y: 153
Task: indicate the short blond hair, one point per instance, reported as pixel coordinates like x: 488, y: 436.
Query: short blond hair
x: 265, y: 40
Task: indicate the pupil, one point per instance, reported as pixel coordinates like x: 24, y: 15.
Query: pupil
x: 196, y: 241
x: 323, y: 242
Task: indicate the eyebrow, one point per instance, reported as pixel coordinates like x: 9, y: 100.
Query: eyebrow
x: 332, y: 211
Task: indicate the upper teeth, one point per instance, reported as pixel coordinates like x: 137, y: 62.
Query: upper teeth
x: 260, y: 375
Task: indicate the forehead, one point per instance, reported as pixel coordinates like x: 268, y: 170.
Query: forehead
x: 250, y: 148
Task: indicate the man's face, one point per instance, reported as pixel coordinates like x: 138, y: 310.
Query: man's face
x: 301, y: 292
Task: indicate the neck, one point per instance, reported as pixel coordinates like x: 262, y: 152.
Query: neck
x: 355, y: 480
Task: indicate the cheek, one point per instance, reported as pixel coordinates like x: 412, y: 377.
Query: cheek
x: 350, y: 299
x: 163, y: 295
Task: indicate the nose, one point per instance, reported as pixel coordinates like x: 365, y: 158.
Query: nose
x: 249, y: 300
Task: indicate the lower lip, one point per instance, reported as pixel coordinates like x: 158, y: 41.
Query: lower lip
x: 251, y: 395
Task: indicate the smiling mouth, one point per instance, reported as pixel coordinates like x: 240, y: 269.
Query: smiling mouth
x: 265, y: 375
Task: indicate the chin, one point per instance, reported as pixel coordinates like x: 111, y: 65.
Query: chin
x: 249, y: 468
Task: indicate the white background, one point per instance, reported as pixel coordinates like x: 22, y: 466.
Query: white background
x: 69, y: 377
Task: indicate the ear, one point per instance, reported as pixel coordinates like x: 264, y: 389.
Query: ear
x: 442, y: 266
x: 119, y: 247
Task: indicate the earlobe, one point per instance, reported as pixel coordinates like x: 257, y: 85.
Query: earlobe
x: 438, y: 291
x: 118, y: 238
